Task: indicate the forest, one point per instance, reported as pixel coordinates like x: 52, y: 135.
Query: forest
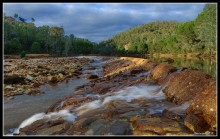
x: 197, y: 36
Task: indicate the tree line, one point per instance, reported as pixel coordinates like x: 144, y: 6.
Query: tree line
x: 196, y: 36
x: 21, y: 36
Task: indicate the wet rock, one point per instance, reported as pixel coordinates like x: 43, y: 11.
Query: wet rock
x: 9, y: 98
x: 88, y: 90
x: 97, y: 128
x: 170, y: 115
x: 54, y: 130
x: 119, y: 128
x: 32, y: 91
x: 160, y: 72
x: 129, y: 115
x: 157, y: 125
x: 90, y: 68
x: 184, y: 86
x: 35, y: 125
x: 18, y: 93
x: 102, y: 87
x: 90, y: 76
x: 84, y: 122
x: 144, y: 132
x: 196, y: 124
x: 204, y: 105
x: 135, y: 71
x: 13, y: 79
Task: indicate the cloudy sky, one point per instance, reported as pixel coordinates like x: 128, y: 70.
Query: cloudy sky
x: 100, y: 21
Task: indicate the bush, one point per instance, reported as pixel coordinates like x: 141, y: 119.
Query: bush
x: 23, y: 53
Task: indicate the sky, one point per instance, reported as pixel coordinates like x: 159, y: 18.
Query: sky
x: 100, y: 21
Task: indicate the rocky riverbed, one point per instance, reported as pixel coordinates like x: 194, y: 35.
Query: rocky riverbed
x: 131, y: 96
x: 23, y: 76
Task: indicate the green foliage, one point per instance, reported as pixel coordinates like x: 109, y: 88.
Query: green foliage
x: 22, y: 54
x: 19, y: 36
x: 35, y: 48
x: 194, y: 36
x: 197, y: 36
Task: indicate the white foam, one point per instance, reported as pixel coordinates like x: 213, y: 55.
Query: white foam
x: 128, y: 94
x: 88, y: 106
x: 29, y: 121
x: 180, y: 108
x: 65, y: 114
x: 143, y: 74
x: 158, y: 108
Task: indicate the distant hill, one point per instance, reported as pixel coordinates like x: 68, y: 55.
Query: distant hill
x: 197, y: 36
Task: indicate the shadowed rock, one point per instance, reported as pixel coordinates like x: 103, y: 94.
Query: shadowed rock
x: 90, y: 76
x: 13, y: 79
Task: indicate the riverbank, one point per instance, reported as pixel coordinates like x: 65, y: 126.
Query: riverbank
x: 24, y: 76
x: 133, y: 97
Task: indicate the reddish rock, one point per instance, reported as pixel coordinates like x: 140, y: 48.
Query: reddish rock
x: 160, y: 72
x: 196, y: 124
x: 102, y: 87
x: 171, y: 115
x: 184, y: 86
x: 158, y: 125
x: 35, y: 84
x: 204, y: 106
x: 90, y: 76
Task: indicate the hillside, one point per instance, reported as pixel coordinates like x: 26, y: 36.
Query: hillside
x: 197, y: 36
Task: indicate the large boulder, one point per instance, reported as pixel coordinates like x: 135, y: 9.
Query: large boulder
x: 203, y: 109
x: 184, y: 86
x: 160, y: 72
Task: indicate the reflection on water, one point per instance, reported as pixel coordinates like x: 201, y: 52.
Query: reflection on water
x: 206, y: 65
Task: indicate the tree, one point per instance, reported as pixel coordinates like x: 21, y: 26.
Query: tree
x: 15, y: 15
x: 35, y: 48
x: 22, y: 19
x: 206, y: 27
x: 32, y: 20
x: 186, y: 32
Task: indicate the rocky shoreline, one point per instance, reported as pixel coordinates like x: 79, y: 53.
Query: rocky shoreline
x: 23, y: 76
x: 133, y: 97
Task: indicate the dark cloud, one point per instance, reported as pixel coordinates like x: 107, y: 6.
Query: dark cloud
x: 98, y: 22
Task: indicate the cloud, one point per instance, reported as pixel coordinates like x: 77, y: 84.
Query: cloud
x: 98, y: 22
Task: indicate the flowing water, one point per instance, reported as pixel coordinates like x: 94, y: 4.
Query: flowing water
x: 26, y: 106
x: 22, y: 107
